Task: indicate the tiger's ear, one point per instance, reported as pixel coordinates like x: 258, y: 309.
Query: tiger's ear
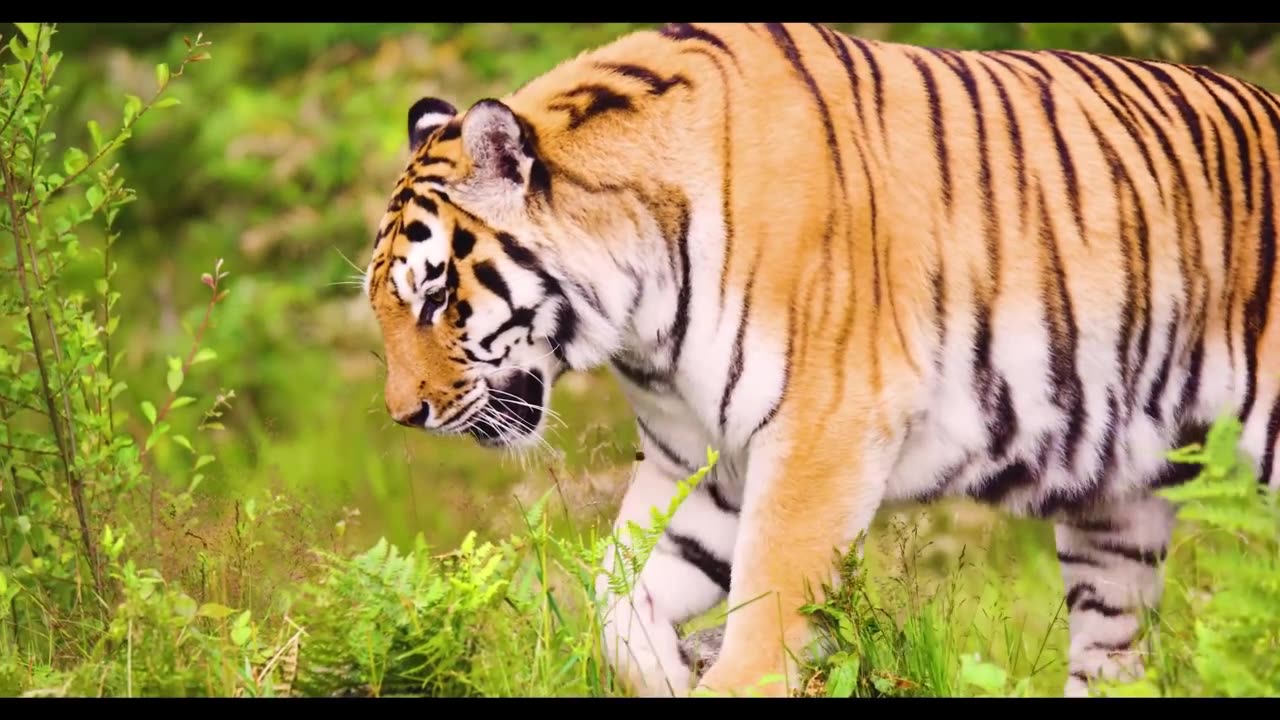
x: 495, y: 141
x: 425, y: 116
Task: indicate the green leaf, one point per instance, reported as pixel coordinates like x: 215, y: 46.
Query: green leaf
x: 167, y: 102
x: 184, y: 442
x: 95, y: 132
x: 214, y: 610
x: 132, y: 106
x: 174, y: 378
x: 30, y: 30
x: 843, y: 679
x: 94, y: 195
x: 74, y: 160
x: 149, y: 410
x: 181, y: 401
x: 184, y: 607
x: 23, y: 53
x: 24, y: 524
x: 204, y: 355
x: 240, y: 629
x: 162, y: 75
x: 203, y: 460
x: 985, y: 675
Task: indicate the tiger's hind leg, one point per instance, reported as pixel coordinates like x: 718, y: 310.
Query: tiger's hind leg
x: 1110, y: 558
x: 686, y: 575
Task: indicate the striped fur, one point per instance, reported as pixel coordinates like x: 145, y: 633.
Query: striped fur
x: 866, y: 273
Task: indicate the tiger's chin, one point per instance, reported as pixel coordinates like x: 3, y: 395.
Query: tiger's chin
x: 512, y: 416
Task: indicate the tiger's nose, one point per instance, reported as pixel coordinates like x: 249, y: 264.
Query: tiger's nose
x: 416, y: 418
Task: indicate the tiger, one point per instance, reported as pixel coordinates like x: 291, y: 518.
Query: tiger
x: 867, y: 273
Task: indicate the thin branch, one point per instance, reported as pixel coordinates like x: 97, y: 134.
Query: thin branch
x: 19, y: 448
x: 17, y: 102
x: 73, y: 482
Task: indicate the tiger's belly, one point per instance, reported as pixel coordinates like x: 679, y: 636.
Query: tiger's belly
x: 1037, y: 459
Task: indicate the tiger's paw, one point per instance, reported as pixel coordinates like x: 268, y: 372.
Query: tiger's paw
x: 725, y: 679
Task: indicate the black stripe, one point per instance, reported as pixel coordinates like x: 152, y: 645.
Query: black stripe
x: 787, y: 367
x: 716, y: 570
x: 1015, y: 139
x: 1093, y: 604
x: 1185, y: 200
x: 1122, y: 181
x: 1226, y: 192
x: 736, y: 362
x: 1125, y: 67
x: 518, y: 253
x: 937, y: 283
x: 426, y: 203
x: 877, y: 80
x: 792, y: 53
x: 1111, y: 646
x: 991, y: 388
x: 644, y: 378
x: 1095, y: 525
x: 1108, y: 455
x: 1153, y: 408
x: 670, y: 454
x: 658, y: 85
x: 1064, y: 151
x: 939, y: 132
x: 1243, y: 154
x: 840, y: 349
x: 1258, y: 306
x: 1177, y: 473
x: 721, y: 502
x: 680, y: 324
x: 452, y: 131
x: 1129, y: 552
x: 1191, y: 379
x: 601, y: 100
x: 461, y: 413
x: 566, y: 329
x: 490, y: 278
x: 1076, y: 591
x: 463, y: 242
x: 1063, y: 339
x: 994, y: 489
x: 1269, y: 440
x: 1073, y: 559
x: 685, y: 31
x: 842, y: 53
x: 726, y: 178
x: 452, y: 280
x: 520, y: 318
x: 1126, y: 119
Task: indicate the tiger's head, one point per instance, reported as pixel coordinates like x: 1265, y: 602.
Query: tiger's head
x: 477, y: 318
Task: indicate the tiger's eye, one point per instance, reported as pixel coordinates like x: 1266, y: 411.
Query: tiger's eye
x: 434, y: 300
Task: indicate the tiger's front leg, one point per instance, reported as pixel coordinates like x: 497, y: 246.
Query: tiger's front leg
x: 685, y: 576
x: 810, y: 492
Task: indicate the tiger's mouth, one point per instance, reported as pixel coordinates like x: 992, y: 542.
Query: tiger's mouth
x: 513, y: 411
